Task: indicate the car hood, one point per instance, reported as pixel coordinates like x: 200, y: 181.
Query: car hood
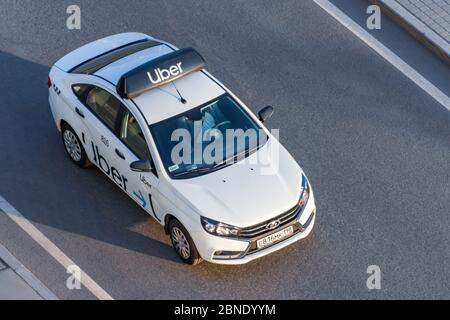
x: 253, y: 190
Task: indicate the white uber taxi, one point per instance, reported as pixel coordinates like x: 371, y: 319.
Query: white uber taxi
x: 146, y: 113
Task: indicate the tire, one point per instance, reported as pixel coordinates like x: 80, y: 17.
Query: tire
x: 186, y: 251
x: 73, y: 146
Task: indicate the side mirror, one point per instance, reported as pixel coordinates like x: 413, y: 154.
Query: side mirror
x: 265, y: 113
x: 142, y: 166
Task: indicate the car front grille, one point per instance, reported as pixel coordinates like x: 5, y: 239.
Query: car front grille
x: 289, y: 218
x: 262, y: 228
x: 298, y: 227
x: 253, y: 246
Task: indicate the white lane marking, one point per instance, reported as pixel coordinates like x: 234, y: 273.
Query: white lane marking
x: 387, y: 54
x: 51, y: 248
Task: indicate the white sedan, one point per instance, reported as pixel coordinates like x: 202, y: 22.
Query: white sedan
x: 181, y: 145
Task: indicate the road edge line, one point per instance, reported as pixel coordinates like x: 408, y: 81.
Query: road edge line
x: 385, y: 52
x: 51, y: 248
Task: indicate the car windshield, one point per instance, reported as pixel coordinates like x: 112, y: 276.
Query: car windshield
x: 206, y: 138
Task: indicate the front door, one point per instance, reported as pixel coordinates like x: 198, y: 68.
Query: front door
x: 131, y: 146
x: 117, y: 141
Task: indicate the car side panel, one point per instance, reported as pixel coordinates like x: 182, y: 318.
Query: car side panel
x: 63, y: 109
x: 63, y: 103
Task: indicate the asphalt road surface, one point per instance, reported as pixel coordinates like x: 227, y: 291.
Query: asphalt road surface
x: 375, y: 147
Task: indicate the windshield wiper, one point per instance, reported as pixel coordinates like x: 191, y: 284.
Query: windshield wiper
x: 198, y: 170
x: 233, y: 158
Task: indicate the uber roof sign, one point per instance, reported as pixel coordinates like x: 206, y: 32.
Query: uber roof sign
x: 159, y: 71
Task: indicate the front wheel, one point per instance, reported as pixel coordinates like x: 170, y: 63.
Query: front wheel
x: 183, y: 244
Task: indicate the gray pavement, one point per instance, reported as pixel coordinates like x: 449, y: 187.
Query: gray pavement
x: 12, y: 287
x: 427, y: 20
x: 374, y: 145
x: 401, y: 43
x: 433, y: 13
x: 17, y: 282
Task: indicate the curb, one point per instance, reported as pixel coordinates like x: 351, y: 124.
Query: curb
x: 8, y: 260
x: 415, y: 27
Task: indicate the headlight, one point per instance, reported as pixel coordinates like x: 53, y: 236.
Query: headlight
x: 304, y: 196
x: 219, y: 228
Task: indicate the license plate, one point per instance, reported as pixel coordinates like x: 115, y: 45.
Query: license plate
x: 274, y: 237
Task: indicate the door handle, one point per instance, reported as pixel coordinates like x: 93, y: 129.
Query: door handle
x: 120, y: 154
x: 80, y: 113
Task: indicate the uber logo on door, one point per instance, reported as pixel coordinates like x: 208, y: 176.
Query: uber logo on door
x: 111, y: 171
x: 164, y: 74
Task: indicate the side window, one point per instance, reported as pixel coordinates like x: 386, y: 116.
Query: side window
x: 80, y: 90
x: 131, y: 134
x: 104, y: 105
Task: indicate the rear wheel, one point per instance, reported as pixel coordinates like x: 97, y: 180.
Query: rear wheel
x: 74, y: 147
x: 183, y: 244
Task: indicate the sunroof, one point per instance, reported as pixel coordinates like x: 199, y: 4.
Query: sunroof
x: 93, y: 65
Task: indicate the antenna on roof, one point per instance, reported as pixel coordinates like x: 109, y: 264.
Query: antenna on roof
x: 182, y: 100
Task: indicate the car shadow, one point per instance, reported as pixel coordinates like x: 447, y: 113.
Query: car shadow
x: 46, y: 187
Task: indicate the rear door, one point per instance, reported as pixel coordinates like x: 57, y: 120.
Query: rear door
x: 101, y: 115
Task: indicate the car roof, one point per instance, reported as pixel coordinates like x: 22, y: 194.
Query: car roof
x: 113, y: 71
x: 164, y: 102
x: 156, y: 104
x: 98, y: 47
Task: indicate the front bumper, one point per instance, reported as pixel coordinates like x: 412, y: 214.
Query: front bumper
x: 246, y: 249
